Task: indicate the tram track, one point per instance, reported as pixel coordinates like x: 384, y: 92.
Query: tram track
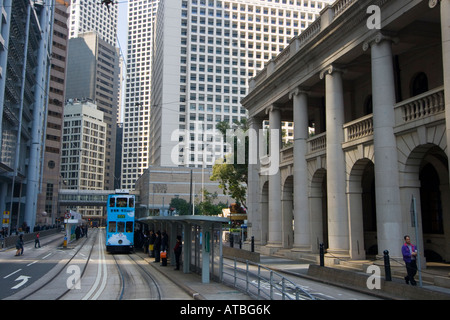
x: 127, y: 278
x: 103, y: 276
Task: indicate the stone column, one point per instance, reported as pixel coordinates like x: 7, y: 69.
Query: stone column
x: 445, y: 34
x: 337, y: 201
x: 253, y: 188
x: 274, y: 238
x: 387, y: 192
x: 302, y: 224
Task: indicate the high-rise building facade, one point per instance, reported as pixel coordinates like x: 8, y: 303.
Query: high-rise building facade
x: 136, y: 124
x: 83, y: 149
x: 93, y: 41
x: 47, y: 207
x: 25, y: 53
x: 93, y: 73
x: 92, y: 15
x: 204, y: 53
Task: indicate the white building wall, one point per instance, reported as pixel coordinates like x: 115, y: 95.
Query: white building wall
x: 204, y: 58
x: 91, y: 15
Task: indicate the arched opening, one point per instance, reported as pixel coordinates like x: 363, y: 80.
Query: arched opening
x: 318, y: 209
x: 362, y: 210
x: 264, y: 203
x: 369, y: 210
x: 430, y: 196
x: 434, y: 192
x: 427, y: 174
x: 287, y: 201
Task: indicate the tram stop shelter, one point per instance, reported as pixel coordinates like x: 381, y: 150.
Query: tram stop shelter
x: 202, y: 242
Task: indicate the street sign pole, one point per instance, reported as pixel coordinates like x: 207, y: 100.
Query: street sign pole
x: 414, y: 220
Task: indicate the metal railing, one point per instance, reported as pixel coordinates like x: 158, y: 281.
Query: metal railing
x: 262, y: 283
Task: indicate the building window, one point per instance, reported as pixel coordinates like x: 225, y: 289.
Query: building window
x: 419, y: 84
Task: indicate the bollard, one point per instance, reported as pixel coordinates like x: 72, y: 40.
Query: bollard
x: 253, y: 244
x: 387, y: 266
x: 231, y: 241
x: 322, y: 263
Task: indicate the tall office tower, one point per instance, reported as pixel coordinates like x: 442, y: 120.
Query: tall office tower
x: 99, y: 82
x: 141, y: 14
x: 47, y: 207
x: 92, y: 15
x: 205, y: 51
x: 93, y: 73
x: 25, y: 52
x: 83, y: 149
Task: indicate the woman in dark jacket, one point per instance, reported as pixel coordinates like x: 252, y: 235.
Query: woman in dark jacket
x: 157, y: 245
x: 177, y: 251
x: 19, y: 245
x: 164, y: 241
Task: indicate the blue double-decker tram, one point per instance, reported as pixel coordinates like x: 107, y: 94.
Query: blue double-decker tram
x: 120, y: 222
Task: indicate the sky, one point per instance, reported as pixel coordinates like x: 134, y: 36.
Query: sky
x: 122, y: 27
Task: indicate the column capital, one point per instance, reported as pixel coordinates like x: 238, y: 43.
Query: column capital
x: 272, y: 107
x: 379, y: 37
x: 297, y: 91
x: 433, y: 3
x: 332, y: 68
x: 255, y: 120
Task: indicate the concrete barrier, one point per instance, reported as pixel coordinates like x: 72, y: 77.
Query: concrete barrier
x: 388, y: 289
x: 442, y: 281
x: 240, y: 254
x: 10, y: 241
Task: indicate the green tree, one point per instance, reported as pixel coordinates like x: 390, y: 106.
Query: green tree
x: 207, y: 206
x: 229, y: 172
x: 180, y: 205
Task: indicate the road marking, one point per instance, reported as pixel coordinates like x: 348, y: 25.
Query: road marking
x: 11, y: 274
x: 47, y: 256
x: 31, y: 263
x: 24, y: 280
x: 101, y: 275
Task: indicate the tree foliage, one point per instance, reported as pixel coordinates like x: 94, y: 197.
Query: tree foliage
x: 232, y: 175
x: 207, y: 206
x: 180, y: 205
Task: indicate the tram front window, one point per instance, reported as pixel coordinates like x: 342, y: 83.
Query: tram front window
x: 120, y: 226
x: 121, y: 202
x: 129, y: 226
x: 112, y: 226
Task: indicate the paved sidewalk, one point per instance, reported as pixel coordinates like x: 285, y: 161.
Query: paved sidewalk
x: 192, y: 283
x: 399, y: 290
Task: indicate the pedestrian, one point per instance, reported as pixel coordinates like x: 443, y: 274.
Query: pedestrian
x: 164, y: 248
x: 409, y: 252
x: 177, y: 251
x: 37, y: 241
x: 77, y: 232
x: 157, y: 246
x: 164, y: 241
x: 19, y: 245
x: 151, y: 244
x: 145, y: 241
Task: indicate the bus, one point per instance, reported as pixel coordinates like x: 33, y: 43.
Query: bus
x: 120, y: 210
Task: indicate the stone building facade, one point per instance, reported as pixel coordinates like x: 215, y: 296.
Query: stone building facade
x: 373, y: 79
